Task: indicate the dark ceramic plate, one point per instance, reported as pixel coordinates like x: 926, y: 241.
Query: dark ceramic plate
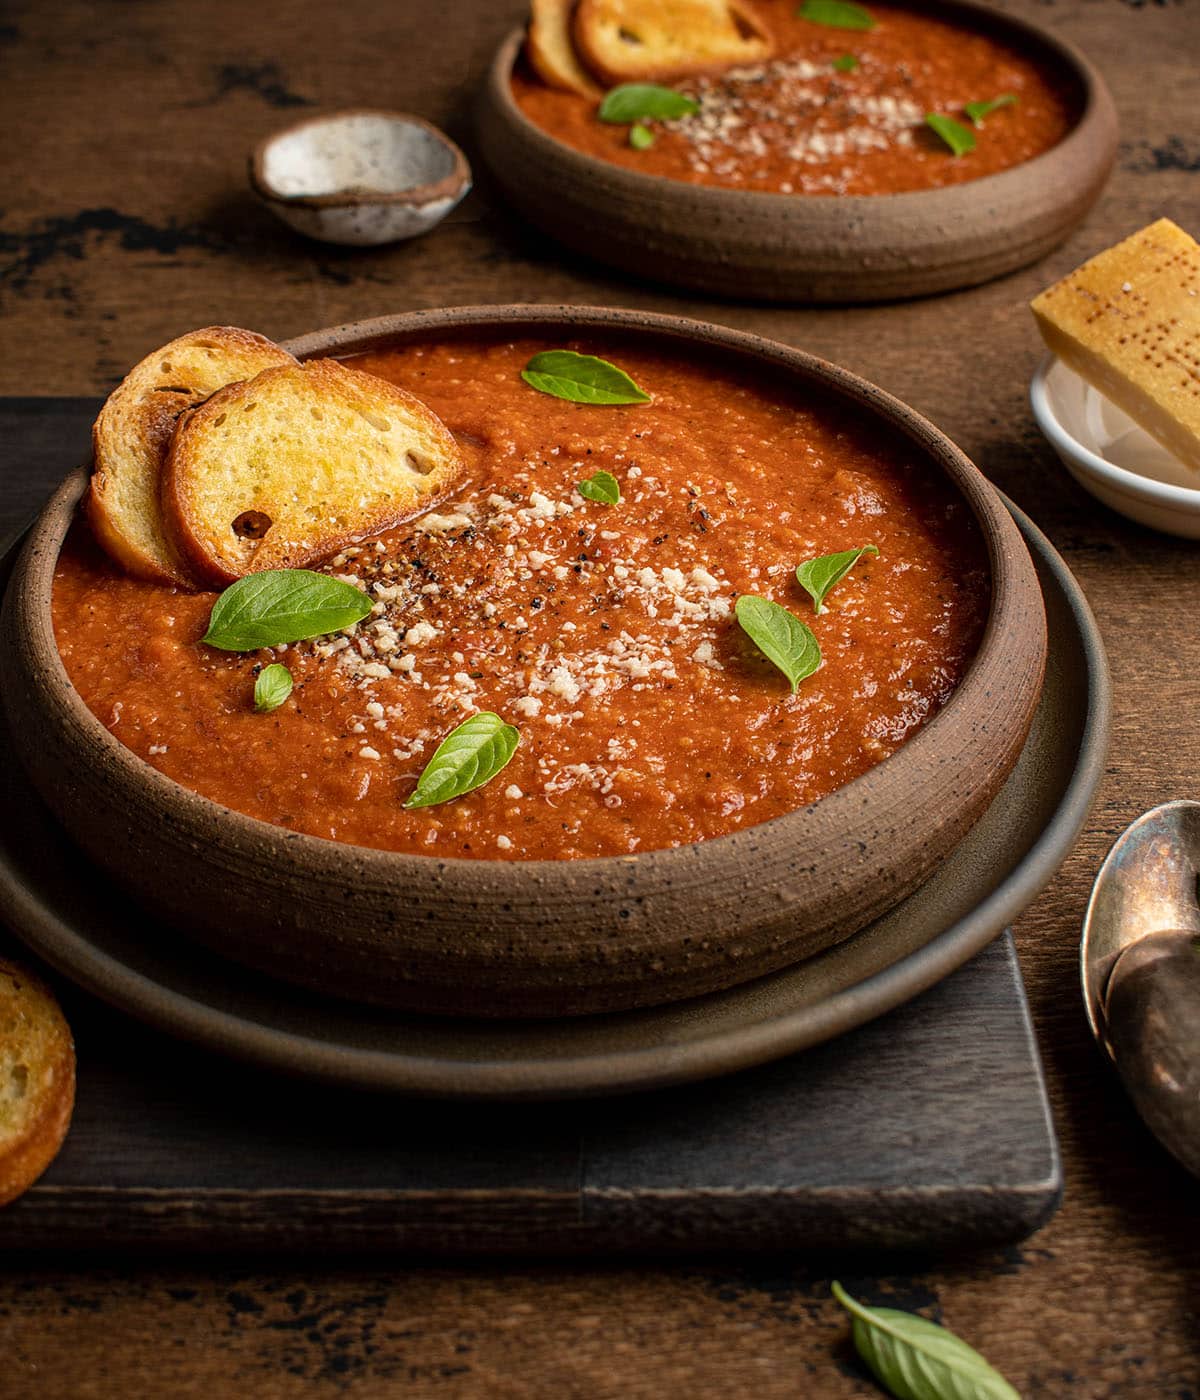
x: 74, y: 918
x: 813, y: 248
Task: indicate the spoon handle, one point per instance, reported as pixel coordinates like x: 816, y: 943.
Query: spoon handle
x: 1152, y: 1015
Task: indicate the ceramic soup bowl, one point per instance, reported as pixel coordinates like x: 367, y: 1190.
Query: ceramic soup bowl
x: 810, y: 248
x: 541, y: 938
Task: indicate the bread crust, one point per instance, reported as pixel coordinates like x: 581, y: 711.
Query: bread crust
x: 677, y: 38
x: 319, y: 425
x: 551, y: 49
x: 133, y: 431
x: 37, y: 1061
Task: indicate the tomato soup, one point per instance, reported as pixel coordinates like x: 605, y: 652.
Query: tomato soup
x: 837, y: 111
x: 605, y: 633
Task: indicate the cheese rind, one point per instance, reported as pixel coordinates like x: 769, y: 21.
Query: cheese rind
x: 1128, y: 321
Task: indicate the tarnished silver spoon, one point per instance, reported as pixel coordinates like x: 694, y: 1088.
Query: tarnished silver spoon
x: 1140, y: 963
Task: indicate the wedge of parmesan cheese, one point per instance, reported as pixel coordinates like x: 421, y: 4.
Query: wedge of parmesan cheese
x: 1128, y: 321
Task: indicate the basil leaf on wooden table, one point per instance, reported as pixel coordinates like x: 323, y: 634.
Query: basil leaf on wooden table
x: 780, y: 635
x: 847, y: 63
x: 565, y: 374
x: 641, y: 138
x: 635, y: 102
x: 918, y: 1360
x: 602, y: 487
x: 820, y: 576
x: 836, y: 14
x: 978, y: 110
x: 959, y: 138
x: 278, y: 606
x: 272, y: 688
x: 467, y: 757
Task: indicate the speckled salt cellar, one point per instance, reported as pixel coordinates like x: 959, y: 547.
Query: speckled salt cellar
x: 360, y: 177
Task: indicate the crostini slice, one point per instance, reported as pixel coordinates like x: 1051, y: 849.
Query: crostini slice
x: 285, y: 469
x: 37, y: 1078
x: 551, y: 51
x: 623, y: 41
x: 131, y: 435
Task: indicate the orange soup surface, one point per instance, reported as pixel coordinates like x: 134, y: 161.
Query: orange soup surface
x: 605, y: 633
x: 798, y: 124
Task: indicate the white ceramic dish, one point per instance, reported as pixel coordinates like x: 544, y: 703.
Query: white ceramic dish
x: 1110, y: 456
x: 360, y: 177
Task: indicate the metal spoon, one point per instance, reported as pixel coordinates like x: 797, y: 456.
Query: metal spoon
x: 1140, y: 964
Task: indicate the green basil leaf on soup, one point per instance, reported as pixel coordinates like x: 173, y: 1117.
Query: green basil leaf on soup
x: 847, y: 63
x: 272, y: 688
x: 278, y: 606
x: 635, y: 102
x: 977, y: 111
x: 780, y: 635
x: 641, y: 138
x: 916, y: 1359
x: 467, y: 757
x: 819, y: 576
x: 602, y: 487
x: 837, y: 14
x: 581, y: 378
x: 959, y: 138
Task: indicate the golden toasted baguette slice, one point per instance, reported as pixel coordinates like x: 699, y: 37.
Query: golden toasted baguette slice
x: 37, y: 1078
x: 550, y: 50
x: 624, y: 41
x: 1128, y: 321
x: 288, y: 467
x: 130, y: 437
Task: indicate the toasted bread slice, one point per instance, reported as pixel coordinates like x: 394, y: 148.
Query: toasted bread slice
x: 37, y: 1078
x: 551, y: 51
x: 130, y: 438
x: 292, y: 465
x: 1128, y: 321
x: 624, y: 41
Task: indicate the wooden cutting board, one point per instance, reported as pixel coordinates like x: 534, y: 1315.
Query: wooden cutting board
x: 928, y: 1128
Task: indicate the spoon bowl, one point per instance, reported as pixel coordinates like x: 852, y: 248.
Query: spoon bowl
x: 1140, y: 967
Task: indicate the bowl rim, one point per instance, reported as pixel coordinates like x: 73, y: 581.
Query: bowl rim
x: 456, y: 183
x: 1129, y: 483
x: 943, y: 201
x: 993, y: 520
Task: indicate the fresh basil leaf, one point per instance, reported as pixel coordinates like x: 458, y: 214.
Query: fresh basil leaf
x: 467, y: 757
x: 918, y: 1360
x: 978, y: 110
x: 819, y: 576
x: 272, y: 688
x: 959, y: 138
x: 641, y: 138
x: 581, y: 378
x: 837, y: 14
x: 282, y: 605
x: 602, y: 487
x: 634, y: 102
x: 780, y: 635
x: 847, y: 63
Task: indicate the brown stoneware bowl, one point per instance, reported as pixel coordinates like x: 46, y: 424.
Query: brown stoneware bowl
x: 809, y: 248
x: 502, y: 938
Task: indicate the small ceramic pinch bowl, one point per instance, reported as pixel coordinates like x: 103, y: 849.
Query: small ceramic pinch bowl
x: 1110, y: 456
x: 360, y: 177
x: 541, y: 937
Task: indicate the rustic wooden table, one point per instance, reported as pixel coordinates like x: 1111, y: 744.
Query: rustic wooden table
x: 127, y: 220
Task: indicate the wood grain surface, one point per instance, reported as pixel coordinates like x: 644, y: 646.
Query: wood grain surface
x: 126, y: 220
